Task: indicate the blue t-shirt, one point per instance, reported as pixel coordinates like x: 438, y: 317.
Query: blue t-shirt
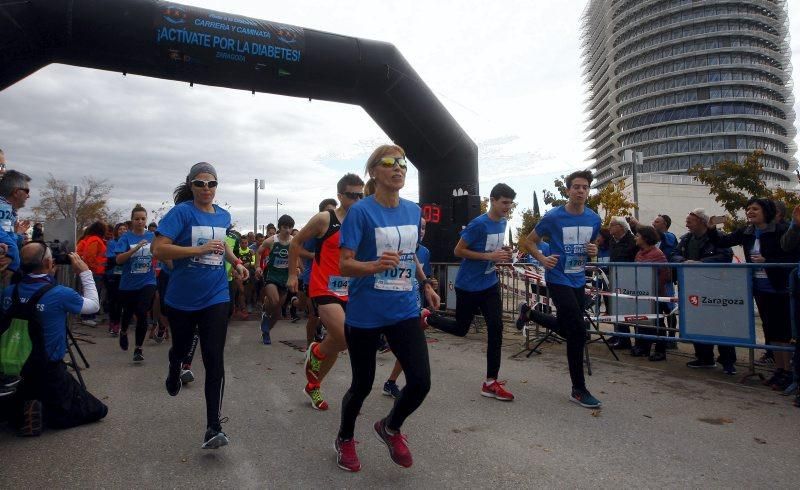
x: 668, y: 243
x: 370, y: 229
x: 53, y: 309
x: 569, y: 235
x: 481, y: 235
x: 309, y: 245
x: 424, y: 257
x: 10, y: 239
x: 196, y: 282
x: 138, y: 271
x: 111, y: 254
x: 544, y: 247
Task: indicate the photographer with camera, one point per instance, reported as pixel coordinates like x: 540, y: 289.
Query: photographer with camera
x: 48, y: 393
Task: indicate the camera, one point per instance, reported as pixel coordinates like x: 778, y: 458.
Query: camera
x: 60, y: 252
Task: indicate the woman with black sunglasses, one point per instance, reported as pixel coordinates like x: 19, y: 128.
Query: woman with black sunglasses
x: 378, y: 243
x: 192, y: 235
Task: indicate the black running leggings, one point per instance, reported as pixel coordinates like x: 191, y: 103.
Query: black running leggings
x: 138, y: 302
x: 489, y: 303
x: 212, y: 328
x: 410, y: 347
x: 569, y: 303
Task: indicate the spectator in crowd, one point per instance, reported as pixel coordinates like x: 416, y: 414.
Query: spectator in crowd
x: 48, y: 394
x: 14, y: 193
x: 695, y: 247
x: 780, y: 212
x: 621, y: 249
x: 761, y: 241
x: 38, y: 232
x: 92, y: 249
x: 667, y: 244
x: 647, y: 239
x: 271, y: 230
x: 791, y: 242
x: 152, y: 227
x: 604, y: 245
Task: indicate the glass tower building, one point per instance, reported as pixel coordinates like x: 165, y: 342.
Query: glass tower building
x: 688, y: 82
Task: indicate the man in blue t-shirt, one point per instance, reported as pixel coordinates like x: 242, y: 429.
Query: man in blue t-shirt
x: 480, y: 247
x: 48, y: 388
x: 572, y: 229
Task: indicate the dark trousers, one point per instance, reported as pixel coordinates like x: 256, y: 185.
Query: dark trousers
x: 211, y: 324
x: 410, y: 347
x: 569, y: 303
x: 113, y: 301
x: 705, y: 353
x: 489, y: 303
x: 661, y: 345
x: 138, y: 302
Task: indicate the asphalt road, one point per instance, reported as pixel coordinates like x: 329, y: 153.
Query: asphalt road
x: 664, y: 427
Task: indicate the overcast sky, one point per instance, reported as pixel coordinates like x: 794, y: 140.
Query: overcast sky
x: 509, y: 72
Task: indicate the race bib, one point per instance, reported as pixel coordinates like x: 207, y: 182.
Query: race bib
x: 142, y: 260
x: 575, y: 264
x: 575, y: 239
x: 280, y: 263
x: 401, y: 239
x: 200, y: 236
x: 338, y: 285
x: 493, y: 242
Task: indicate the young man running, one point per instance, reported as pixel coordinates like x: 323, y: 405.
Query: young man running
x: 477, y: 285
x: 277, y: 272
x: 327, y: 287
x: 572, y: 229
x: 304, y: 280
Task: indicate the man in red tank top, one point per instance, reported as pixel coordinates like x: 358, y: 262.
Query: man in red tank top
x: 327, y: 288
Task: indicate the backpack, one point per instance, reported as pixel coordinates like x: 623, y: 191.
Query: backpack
x: 21, y: 335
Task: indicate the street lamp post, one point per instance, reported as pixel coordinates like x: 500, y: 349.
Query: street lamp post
x: 257, y: 184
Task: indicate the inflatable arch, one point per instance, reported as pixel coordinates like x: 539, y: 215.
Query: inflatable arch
x: 178, y: 42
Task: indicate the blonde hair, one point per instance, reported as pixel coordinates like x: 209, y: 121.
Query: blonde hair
x: 373, y: 161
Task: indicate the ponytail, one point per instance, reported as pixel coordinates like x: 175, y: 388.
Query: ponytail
x: 182, y: 193
x: 369, y: 187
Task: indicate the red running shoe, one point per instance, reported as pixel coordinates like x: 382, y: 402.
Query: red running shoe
x: 496, y: 389
x: 397, y: 444
x: 346, y: 457
x: 317, y: 402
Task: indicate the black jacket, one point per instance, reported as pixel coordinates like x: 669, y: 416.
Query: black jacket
x: 709, y: 252
x: 623, y: 250
x: 771, y: 250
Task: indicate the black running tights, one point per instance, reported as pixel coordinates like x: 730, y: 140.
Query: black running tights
x: 138, y: 302
x: 410, y: 347
x: 569, y: 303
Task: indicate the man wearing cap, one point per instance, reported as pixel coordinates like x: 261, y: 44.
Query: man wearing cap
x: 695, y: 247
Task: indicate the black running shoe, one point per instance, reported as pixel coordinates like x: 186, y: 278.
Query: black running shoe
x: 187, y: 376
x: 9, y: 381
x: 173, y: 381
x: 522, y: 319
x: 215, y: 438
x: 123, y: 340
x: 137, y: 355
x: 5, y: 391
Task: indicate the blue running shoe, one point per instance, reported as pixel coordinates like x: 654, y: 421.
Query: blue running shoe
x: 585, y: 399
x: 390, y: 388
x: 265, y: 338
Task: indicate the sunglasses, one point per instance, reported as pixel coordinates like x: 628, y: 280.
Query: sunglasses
x: 204, y: 183
x: 354, y: 195
x: 389, y: 162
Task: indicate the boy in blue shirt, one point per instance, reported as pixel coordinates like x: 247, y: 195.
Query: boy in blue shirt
x: 572, y: 229
x: 477, y: 285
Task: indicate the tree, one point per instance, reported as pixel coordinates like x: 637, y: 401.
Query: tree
x: 529, y: 222
x: 613, y: 201
x: 91, y: 204
x: 732, y: 184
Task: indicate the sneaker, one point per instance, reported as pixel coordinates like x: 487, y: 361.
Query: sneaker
x: 783, y: 382
x: 161, y: 333
x: 585, y: 399
x: 657, y: 356
x: 214, y: 438
x: 123, y: 340
x: 9, y: 381
x: 6, y: 391
x: 313, y: 365
x: 390, y: 388
x: 137, y: 355
x: 173, y: 381
x: 116, y: 329
x: 791, y: 389
x: 88, y: 323
x: 346, y: 457
x: 265, y: 339
x: 638, y: 351
x: 31, y: 419
x: 522, y: 319
x: 317, y: 402
x: 775, y: 378
x: 187, y: 376
x: 698, y: 364
x: 765, y: 360
x: 496, y: 389
x: 729, y: 368
x: 423, y: 318
x: 397, y: 444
